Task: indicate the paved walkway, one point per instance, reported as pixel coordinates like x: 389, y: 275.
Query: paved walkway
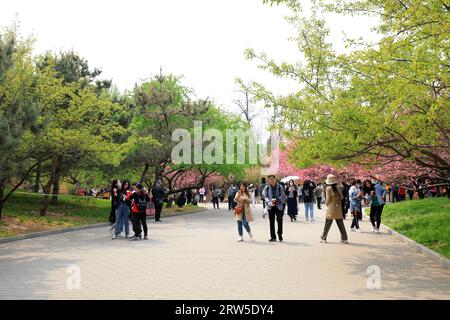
x: 197, y: 257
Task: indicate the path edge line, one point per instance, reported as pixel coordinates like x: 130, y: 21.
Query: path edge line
x: 77, y: 228
x: 437, y: 257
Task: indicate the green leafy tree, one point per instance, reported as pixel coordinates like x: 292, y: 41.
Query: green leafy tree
x: 18, y: 109
x: 381, y: 103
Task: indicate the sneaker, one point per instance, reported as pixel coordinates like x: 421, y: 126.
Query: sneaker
x: 250, y: 235
x: 114, y: 237
x: 377, y: 230
x: 344, y: 241
x: 312, y: 220
x: 145, y: 238
x: 323, y: 240
x: 280, y: 238
x: 353, y: 229
x: 295, y: 218
x: 272, y: 240
x: 240, y: 239
x: 358, y: 230
x: 373, y: 230
x: 307, y: 219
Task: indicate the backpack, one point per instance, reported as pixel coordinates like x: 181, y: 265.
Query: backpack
x: 142, y: 203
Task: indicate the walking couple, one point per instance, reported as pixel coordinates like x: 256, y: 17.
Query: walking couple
x: 274, y: 199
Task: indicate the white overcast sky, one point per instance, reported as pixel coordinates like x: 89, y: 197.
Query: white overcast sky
x: 203, y: 40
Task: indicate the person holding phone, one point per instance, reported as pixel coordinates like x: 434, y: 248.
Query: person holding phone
x: 275, y: 198
x: 243, y: 212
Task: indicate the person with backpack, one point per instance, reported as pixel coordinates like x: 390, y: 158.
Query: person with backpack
x: 122, y: 199
x: 139, y: 201
x: 275, y: 198
x: 308, y: 198
x: 333, y: 203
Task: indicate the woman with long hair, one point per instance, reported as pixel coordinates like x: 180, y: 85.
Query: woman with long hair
x: 123, y: 210
x: 242, y: 211
x: 333, y: 203
x: 292, y: 194
x: 115, y: 186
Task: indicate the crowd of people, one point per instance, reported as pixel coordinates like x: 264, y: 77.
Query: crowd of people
x: 131, y: 202
x: 337, y: 196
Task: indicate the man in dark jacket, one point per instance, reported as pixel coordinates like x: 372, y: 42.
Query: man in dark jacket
x: 158, y: 198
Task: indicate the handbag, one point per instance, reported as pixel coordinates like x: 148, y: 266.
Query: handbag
x: 238, y: 209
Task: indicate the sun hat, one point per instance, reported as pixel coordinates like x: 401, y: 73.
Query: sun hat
x: 331, y: 179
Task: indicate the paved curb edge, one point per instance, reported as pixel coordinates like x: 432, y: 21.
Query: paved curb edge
x: 71, y: 229
x: 443, y: 261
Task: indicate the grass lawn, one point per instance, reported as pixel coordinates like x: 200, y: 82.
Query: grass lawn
x: 21, y: 213
x: 425, y: 221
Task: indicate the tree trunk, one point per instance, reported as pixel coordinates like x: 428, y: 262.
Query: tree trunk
x: 55, y: 191
x: 2, y: 193
x: 158, y: 173
x: 144, y: 173
x: 56, y: 181
x: 37, y: 180
x: 48, y: 188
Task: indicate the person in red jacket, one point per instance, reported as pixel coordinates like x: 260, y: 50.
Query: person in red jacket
x: 139, y: 200
x: 402, y: 193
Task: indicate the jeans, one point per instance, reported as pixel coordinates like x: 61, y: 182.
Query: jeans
x: 122, y: 214
x: 244, y: 223
x: 309, y: 206
x: 274, y: 212
x: 375, y: 215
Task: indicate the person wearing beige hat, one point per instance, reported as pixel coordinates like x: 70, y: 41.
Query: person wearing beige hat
x: 333, y: 205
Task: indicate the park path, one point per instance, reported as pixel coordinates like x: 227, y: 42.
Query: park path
x: 196, y: 256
